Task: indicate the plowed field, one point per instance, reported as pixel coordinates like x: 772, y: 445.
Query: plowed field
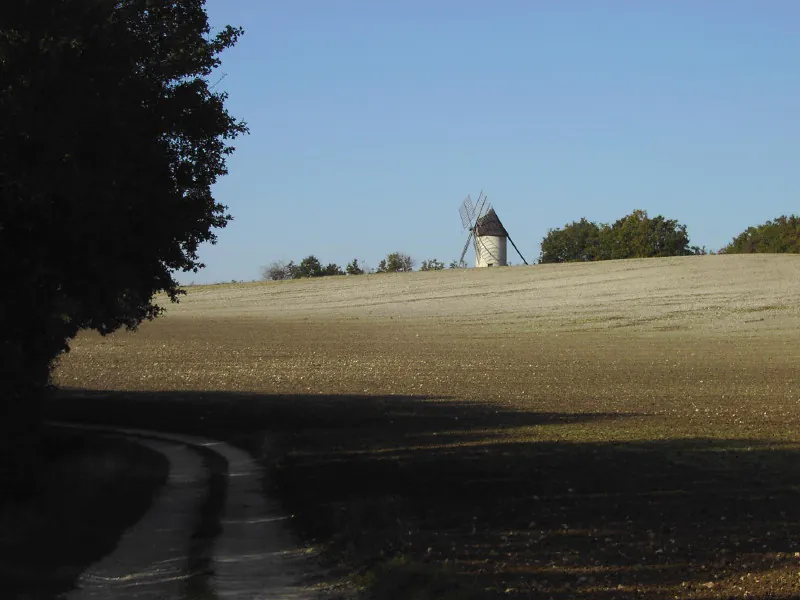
x: 622, y: 429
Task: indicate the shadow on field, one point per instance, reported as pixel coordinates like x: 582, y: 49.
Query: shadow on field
x: 90, y: 489
x: 430, y: 498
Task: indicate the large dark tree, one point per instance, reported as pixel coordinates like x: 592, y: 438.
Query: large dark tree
x: 111, y: 137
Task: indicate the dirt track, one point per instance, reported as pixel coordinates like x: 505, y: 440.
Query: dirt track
x: 252, y: 556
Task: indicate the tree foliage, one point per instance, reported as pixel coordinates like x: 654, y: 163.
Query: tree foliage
x: 396, y: 262
x: 277, y: 270
x: 431, y: 265
x: 638, y: 236
x: 353, y: 268
x: 310, y: 266
x: 577, y: 241
x: 781, y: 235
x: 332, y: 269
x: 112, y: 141
x: 633, y: 236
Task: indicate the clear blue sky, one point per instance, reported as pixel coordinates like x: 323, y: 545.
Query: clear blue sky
x: 371, y: 120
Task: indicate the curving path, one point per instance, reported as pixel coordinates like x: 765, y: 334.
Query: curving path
x: 252, y: 556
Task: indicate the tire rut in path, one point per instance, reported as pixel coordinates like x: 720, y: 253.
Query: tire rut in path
x: 253, y: 555
x: 152, y: 558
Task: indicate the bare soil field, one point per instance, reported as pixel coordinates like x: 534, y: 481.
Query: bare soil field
x: 626, y: 429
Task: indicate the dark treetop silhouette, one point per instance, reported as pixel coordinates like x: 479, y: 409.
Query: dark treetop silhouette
x: 112, y: 139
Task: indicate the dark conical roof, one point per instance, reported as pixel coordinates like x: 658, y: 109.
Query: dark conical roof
x: 489, y: 224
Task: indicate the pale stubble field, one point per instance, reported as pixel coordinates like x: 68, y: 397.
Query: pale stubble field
x: 618, y: 429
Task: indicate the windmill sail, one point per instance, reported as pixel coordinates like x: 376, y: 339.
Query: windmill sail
x: 467, y: 212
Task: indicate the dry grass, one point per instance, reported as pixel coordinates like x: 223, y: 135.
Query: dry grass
x: 615, y: 430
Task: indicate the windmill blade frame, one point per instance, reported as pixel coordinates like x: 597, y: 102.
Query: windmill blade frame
x: 469, y: 219
x: 481, y: 209
x: 467, y: 212
x: 466, y: 246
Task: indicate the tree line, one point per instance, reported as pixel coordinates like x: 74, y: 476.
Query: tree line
x: 781, y: 235
x: 633, y: 236
x: 637, y: 235
x: 310, y: 266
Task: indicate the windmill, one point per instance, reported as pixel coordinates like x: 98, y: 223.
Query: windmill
x: 486, y: 232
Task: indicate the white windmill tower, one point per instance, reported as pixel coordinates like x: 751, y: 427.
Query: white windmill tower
x: 487, y: 232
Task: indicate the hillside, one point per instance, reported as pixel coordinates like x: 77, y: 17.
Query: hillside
x: 620, y: 430
x: 710, y: 292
